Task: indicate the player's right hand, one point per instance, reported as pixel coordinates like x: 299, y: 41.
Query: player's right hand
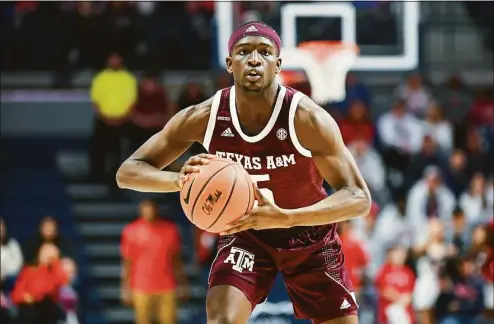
x: 193, y: 165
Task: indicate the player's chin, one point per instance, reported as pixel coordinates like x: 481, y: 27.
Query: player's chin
x: 253, y: 86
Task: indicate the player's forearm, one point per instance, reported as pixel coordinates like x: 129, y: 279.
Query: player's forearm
x: 141, y: 176
x: 345, y: 204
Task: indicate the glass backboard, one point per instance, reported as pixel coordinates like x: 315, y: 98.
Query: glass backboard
x: 386, y: 32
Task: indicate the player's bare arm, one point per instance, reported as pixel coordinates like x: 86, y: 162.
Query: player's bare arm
x: 317, y: 132
x: 142, y: 170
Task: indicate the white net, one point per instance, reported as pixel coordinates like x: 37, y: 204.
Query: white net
x: 325, y: 66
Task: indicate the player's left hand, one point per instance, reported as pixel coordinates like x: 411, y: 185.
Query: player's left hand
x: 266, y: 215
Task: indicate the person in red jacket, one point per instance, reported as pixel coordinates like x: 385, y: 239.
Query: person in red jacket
x: 395, y: 282
x: 357, y: 126
x: 36, y: 290
x: 482, y: 110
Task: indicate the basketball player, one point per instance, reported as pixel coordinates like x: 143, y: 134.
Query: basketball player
x: 289, y: 145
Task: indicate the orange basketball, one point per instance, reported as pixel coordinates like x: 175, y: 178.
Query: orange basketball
x: 220, y: 193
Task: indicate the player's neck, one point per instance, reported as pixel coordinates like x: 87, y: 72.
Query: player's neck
x: 255, y: 103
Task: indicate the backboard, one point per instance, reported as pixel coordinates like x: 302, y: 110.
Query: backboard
x: 387, y: 33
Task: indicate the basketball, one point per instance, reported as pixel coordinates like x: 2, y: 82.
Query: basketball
x: 220, y: 193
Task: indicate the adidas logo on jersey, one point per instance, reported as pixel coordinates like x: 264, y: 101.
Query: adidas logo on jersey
x: 251, y: 29
x: 227, y: 133
x: 345, y: 304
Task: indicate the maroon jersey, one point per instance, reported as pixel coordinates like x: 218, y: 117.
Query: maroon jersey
x: 282, y: 168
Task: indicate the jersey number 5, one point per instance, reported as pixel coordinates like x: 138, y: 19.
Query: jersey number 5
x: 268, y: 194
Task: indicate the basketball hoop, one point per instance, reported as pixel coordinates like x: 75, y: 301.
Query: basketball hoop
x: 325, y: 63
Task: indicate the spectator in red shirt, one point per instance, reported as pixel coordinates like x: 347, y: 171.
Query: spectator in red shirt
x: 151, y: 111
x: 356, y: 126
x: 191, y: 94
x: 482, y: 110
x: 37, y: 288
x: 356, y: 258
x: 152, y: 267
x: 394, y: 283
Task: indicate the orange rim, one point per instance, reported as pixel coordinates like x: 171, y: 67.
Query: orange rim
x: 322, y: 48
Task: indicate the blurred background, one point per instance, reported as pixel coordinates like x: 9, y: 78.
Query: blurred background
x: 85, y: 83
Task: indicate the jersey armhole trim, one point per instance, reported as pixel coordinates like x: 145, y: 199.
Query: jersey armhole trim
x: 215, y: 105
x: 291, y: 125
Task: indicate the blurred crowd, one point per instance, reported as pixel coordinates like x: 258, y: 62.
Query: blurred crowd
x: 428, y: 160
x: 426, y: 251
x: 68, y: 35
x: 74, y: 35
x: 38, y: 277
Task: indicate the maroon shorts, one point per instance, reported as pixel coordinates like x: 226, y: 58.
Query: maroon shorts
x: 317, y: 283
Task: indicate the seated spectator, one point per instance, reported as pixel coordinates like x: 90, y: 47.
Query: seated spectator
x: 67, y: 295
x: 401, y: 136
x: 48, y: 233
x: 437, y: 128
x: 429, y: 198
x: 480, y: 245
x: 478, y: 201
x: 487, y: 270
x: 5, y: 304
x: 356, y: 255
x: 428, y: 155
x: 151, y: 111
x: 356, y: 126
x: 455, y: 98
x: 37, y: 288
x: 477, y: 158
x: 10, y: 253
x: 355, y: 91
x: 432, y: 251
x: 455, y: 175
x: 191, y: 94
x: 461, y: 299
x: 153, y: 271
x: 113, y: 93
x: 415, y: 95
x: 392, y: 227
x: 121, y: 28
x: 372, y: 168
x: 458, y: 234
x: 89, y: 39
x: 395, y: 283
x: 11, y: 262
x: 482, y: 110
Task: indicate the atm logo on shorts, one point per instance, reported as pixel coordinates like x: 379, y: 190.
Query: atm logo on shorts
x: 241, y: 260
